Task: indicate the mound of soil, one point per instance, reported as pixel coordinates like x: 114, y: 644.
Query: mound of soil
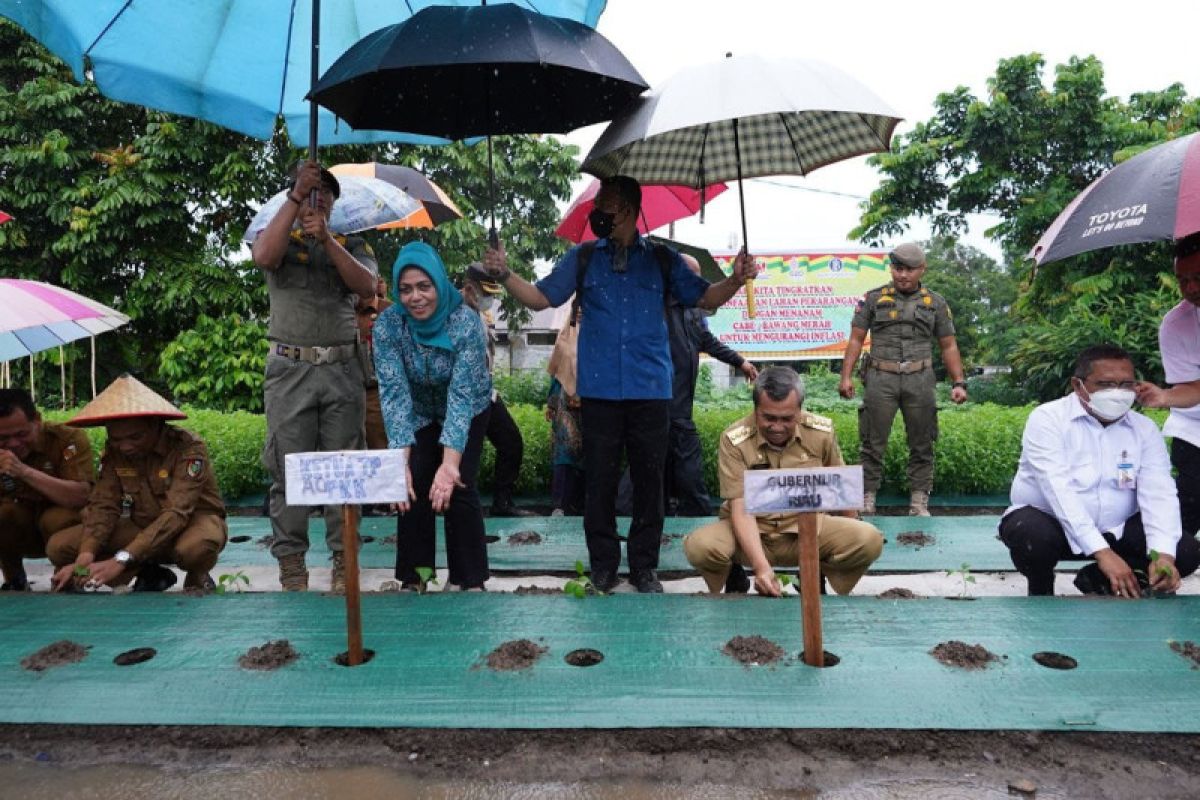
x: 667, y: 538
x: 898, y: 593
x: 536, y: 590
x: 525, y: 537
x: 388, y: 539
x: 54, y: 655
x: 264, y: 542
x: 271, y: 655
x: 1189, y: 650
x: 515, y: 655
x: 753, y: 650
x: 966, y: 656
x: 917, y: 539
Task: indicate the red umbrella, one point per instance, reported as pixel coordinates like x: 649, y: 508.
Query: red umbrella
x: 661, y: 205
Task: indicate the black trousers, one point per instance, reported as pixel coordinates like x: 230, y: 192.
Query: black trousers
x: 1037, y: 543
x: 1185, y: 457
x: 638, y: 429
x: 416, y: 530
x: 685, y: 494
x: 505, y: 436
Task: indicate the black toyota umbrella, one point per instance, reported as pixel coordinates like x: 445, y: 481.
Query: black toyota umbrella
x: 480, y: 71
x: 1154, y: 196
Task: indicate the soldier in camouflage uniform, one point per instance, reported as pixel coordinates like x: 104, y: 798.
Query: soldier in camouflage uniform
x: 778, y: 435
x: 904, y: 319
x: 314, y: 387
x: 45, y: 475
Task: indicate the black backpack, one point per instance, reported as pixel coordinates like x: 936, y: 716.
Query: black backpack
x: 662, y: 254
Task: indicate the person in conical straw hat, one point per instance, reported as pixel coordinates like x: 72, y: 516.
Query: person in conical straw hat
x: 156, y: 501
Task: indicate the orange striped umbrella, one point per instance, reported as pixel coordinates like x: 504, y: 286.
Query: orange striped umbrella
x: 436, y: 205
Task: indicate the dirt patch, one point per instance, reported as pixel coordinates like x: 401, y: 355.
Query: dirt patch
x: 898, y: 593
x: 271, y: 655
x: 547, y: 590
x: 917, y: 539
x: 525, y: 537
x: 264, y: 542
x: 753, y: 650
x: 1049, y: 658
x: 965, y: 656
x: 54, y: 655
x: 388, y: 539
x: 1189, y: 650
x: 138, y: 655
x: 667, y: 538
x: 515, y: 655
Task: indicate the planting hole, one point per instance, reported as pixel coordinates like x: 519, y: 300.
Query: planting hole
x: 343, y: 659
x: 238, y: 539
x: 1048, y: 658
x: 368, y: 539
x: 831, y: 659
x: 584, y: 657
x: 134, y: 656
x: 491, y: 539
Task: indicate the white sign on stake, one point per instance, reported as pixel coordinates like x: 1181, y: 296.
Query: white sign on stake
x: 345, y: 476
x: 789, y: 491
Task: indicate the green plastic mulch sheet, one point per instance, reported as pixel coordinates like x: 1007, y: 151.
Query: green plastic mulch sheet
x: 954, y: 541
x: 663, y: 663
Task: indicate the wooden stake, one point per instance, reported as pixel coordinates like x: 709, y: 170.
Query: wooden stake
x: 354, y: 649
x: 810, y: 592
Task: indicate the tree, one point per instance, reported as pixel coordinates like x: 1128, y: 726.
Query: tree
x: 980, y: 293
x: 1023, y: 153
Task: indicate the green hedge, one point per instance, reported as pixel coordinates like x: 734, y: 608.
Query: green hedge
x: 977, y: 450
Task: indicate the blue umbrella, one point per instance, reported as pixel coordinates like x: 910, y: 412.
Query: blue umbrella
x: 241, y: 64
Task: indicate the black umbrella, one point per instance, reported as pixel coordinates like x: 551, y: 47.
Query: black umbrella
x: 1154, y: 196
x: 480, y: 71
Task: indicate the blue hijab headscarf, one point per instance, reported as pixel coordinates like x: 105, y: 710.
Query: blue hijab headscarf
x: 430, y: 332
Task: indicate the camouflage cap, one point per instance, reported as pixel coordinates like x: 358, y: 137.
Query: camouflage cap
x: 908, y: 254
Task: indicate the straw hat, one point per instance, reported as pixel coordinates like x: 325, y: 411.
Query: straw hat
x: 125, y: 398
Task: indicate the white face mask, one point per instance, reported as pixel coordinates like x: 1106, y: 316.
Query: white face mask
x: 487, y: 303
x: 1110, y: 404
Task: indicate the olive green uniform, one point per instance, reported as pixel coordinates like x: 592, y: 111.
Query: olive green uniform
x: 163, y: 507
x: 27, y: 517
x: 898, y: 374
x: 847, y: 546
x: 314, y: 387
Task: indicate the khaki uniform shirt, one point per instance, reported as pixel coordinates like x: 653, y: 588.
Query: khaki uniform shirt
x: 903, y: 326
x: 159, y: 493
x: 61, y: 452
x: 311, y: 306
x: 742, y: 447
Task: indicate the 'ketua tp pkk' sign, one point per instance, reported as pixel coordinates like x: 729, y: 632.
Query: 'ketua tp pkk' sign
x: 788, y: 491
x: 345, y: 476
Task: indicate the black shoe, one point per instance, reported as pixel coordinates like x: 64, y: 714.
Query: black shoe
x: 738, y: 581
x: 154, y: 578
x: 604, y: 580
x: 1090, y: 580
x: 17, y: 583
x: 645, y: 581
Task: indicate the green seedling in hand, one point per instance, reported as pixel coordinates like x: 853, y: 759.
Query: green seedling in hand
x: 964, y: 574
x: 232, y: 582
x: 81, y: 572
x: 1162, y: 570
x: 581, y: 585
x: 786, y: 580
x: 426, y: 576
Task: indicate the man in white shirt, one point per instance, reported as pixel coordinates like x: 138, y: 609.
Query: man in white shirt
x: 1179, y: 344
x: 1094, y: 482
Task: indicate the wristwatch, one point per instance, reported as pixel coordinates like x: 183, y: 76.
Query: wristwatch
x: 124, y: 558
x: 957, y: 384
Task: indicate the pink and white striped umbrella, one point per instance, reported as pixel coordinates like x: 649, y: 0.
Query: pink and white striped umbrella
x: 4, y: 217
x: 36, y: 316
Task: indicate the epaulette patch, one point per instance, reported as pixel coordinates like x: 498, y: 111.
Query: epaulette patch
x: 817, y: 422
x: 739, y: 434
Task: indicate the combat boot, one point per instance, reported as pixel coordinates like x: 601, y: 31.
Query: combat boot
x: 502, y: 506
x: 293, y: 574
x: 868, y: 503
x: 918, y: 505
x: 337, y: 583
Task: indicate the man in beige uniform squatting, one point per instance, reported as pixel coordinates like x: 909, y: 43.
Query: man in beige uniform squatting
x: 778, y: 435
x: 904, y: 319
x: 314, y: 388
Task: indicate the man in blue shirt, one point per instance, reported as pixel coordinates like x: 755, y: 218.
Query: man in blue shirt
x: 625, y: 372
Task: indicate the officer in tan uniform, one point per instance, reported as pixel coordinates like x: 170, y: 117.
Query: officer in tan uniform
x: 45, y: 475
x: 904, y: 319
x: 778, y: 435
x: 314, y: 389
x: 156, y: 500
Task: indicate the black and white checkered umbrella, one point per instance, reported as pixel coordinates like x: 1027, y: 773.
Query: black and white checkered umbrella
x: 743, y: 117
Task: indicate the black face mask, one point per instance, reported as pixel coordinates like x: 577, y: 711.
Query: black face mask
x: 601, y: 223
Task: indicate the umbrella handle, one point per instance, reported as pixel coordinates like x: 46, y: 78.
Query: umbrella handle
x: 493, y: 238
x: 750, y: 310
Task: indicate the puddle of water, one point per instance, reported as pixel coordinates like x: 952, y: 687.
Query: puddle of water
x: 134, y: 783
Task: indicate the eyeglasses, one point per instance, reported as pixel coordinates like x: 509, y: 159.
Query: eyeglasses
x: 1130, y: 385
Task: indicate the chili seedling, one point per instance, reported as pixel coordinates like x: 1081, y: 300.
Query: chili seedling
x: 965, y: 576
x: 581, y: 585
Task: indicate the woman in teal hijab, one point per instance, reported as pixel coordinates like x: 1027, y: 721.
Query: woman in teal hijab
x: 435, y: 390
